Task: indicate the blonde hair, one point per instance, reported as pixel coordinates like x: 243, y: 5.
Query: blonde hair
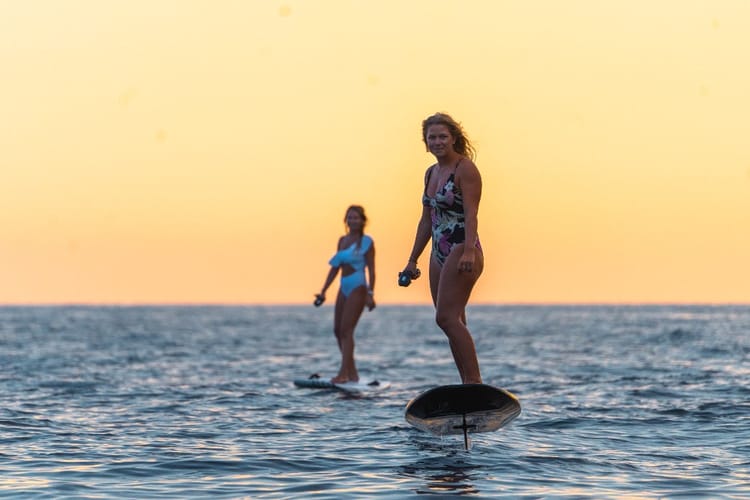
x: 463, y: 145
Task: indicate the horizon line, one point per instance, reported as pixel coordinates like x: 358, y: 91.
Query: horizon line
x: 385, y: 304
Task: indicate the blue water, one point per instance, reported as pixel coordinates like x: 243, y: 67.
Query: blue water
x: 198, y: 402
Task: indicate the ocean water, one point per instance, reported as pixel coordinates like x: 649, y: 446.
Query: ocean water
x: 198, y: 402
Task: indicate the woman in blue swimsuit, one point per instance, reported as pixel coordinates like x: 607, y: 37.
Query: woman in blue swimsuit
x: 450, y: 200
x: 356, y: 251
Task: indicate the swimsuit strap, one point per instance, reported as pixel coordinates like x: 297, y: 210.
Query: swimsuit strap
x: 428, y: 174
x: 357, y: 243
x: 427, y: 177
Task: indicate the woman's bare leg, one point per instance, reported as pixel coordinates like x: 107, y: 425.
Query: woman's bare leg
x: 351, y: 309
x: 337, y: 315
x: 453, y: 292
x: 435, y: 272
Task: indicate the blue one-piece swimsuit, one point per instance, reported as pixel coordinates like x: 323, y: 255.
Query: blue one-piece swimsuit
x: 355, y: 257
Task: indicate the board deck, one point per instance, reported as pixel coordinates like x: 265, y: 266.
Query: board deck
x: 462, y: 408
x: 353, y: 387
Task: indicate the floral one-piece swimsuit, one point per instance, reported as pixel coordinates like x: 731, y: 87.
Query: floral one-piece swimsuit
x: 448, y: 219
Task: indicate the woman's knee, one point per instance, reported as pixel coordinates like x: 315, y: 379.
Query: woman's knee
x: 446, y: 319
x: 346, y: 330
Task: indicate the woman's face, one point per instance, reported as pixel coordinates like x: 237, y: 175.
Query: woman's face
x: 354, y: 220
x: 439, y: 140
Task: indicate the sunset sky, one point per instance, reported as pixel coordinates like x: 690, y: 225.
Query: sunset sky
x: 205, y: 151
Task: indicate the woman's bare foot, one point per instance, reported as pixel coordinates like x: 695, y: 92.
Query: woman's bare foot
x: 340, y: 379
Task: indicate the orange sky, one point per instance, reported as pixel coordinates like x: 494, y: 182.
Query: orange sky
x: 205, y: 152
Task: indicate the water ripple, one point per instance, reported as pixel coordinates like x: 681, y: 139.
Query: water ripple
x: 197, y: 402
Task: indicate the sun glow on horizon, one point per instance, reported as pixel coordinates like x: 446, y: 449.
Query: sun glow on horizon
x: 156, y: 152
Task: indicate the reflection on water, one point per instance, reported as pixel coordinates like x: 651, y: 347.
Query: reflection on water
x: 448, y: 474
x: 454, y: 482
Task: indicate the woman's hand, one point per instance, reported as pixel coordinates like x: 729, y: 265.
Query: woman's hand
x: 466, y: 262
x: 411, y: 268
x: 370, y: 302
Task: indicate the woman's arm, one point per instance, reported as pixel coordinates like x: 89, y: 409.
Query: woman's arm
x: 329, y: 279
x: 370, y: 262
x: 470, y: 183
x: 332, y: 272
x: 422, y: 237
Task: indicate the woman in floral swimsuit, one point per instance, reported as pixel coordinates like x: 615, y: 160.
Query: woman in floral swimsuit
x: 453, y: 188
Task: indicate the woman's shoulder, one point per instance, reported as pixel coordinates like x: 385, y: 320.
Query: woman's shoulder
x: 366, y: 238
x: 465, y: 161
x: 428, y: 172
x: 466, y: 166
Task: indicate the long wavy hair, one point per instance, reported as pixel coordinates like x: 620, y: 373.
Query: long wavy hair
x: 463, y: 145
